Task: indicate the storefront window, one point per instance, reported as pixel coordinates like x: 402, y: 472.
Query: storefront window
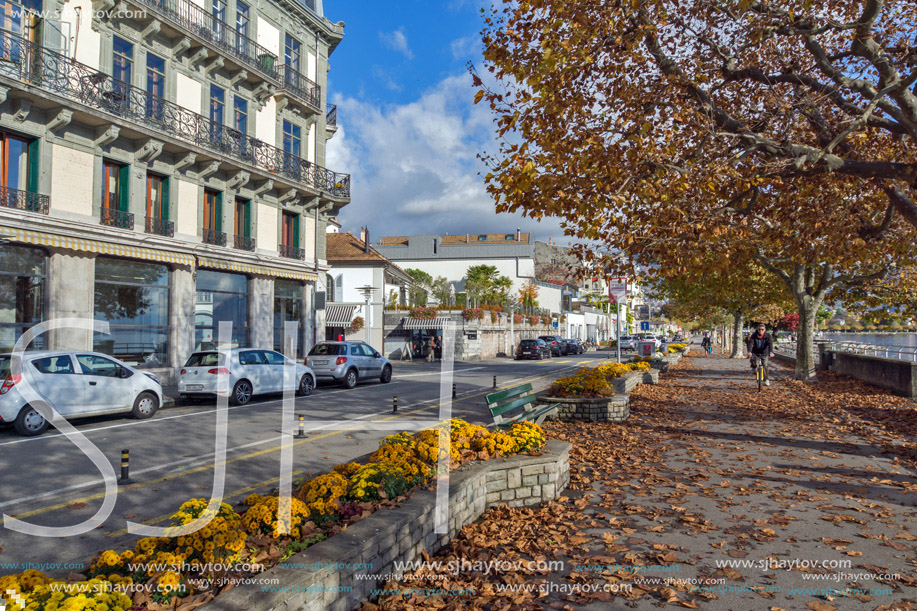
x: 23, y: 286
x: 220, y: 297
x: 133, y: 297
x: 288, y: 306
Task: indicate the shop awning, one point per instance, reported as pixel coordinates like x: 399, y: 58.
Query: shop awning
x: 252, y: 268
x: 411, y: 324
x: 339, y: 315
x: 102, y: 248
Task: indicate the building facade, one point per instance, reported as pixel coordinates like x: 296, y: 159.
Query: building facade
x: 163, y: 171
x: 450, y: 256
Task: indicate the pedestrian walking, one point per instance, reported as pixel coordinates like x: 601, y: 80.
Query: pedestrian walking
x: 706, y: 345
x: 431, y: 350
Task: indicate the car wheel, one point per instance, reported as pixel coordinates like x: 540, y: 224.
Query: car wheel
x: 241, y: 393
x: 145, y: 405
x: 29, y: 422
x: 386, y: 376
x: 350, y: 378
x: 306, y: 385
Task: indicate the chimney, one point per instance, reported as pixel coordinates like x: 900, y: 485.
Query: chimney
x: 366, y: 239
x: 518, y: 235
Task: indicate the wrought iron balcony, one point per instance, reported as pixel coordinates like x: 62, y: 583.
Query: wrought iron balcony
x: 117, y: 218
x: 160, y: 226
x: 331, y: 117
x: 212, y: 236
x: 301, y: 86
x: 243, y: 242
x: 60, y: 75
x: 292, y: 252
x: 194, y: 19
x: 23, y: 200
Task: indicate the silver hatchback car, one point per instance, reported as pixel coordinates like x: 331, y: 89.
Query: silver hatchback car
x: 347, y: 363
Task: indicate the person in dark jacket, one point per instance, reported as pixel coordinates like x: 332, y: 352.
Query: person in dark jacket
x: 706, y: 345
x: 760, y: 345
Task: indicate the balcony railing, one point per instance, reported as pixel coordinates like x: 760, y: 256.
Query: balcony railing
x: 51, y: 71
x: 160, y: 226
x: 243, y: 242
x: 212, y: 236
x: 292, y: 252
x: 301, y: 86
x: 204, y: 25
x: 23, y: 200
x: 117, y: 218
x: 331, y: 117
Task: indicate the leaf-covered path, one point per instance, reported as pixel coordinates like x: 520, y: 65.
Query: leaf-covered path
x: 712, y: 496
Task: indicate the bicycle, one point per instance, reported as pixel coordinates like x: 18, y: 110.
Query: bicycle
x: 760, y: 371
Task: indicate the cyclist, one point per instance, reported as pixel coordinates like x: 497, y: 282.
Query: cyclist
x: 760, y: 346
x: 706, y: 345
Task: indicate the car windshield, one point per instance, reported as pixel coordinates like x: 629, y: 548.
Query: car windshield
x: 327, y: 350
x: 205, y: 359
x: 529, y: 342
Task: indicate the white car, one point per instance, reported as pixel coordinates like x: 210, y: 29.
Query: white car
x: 251, y: 372
x: 628, y: 342
x: 649, y: 337
x: 76, y: 384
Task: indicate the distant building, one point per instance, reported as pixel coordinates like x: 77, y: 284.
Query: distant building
x: 450, y: 256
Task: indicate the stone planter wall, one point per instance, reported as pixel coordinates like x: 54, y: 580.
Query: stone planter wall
x: 626, y: 383
x: 599, y: 409
x: 333, y: 574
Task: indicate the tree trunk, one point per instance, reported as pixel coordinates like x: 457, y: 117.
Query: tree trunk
x: 805, y: 337
x: 737, y: 319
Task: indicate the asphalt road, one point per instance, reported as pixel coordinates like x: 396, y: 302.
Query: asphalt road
x: 47, y: 480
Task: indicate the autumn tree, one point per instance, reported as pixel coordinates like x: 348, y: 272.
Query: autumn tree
x: 779, y: 131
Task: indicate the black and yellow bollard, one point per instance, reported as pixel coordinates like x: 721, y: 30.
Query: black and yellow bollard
x: 495, y: 382
x: 125, y: 467
x: 395, y: 404
x: 302, y: 426
x: 454, y: 395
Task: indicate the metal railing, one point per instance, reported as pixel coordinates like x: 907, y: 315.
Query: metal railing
x: 243, y: 242
x: 194, y: 19
x: 904, y: 353
x: 160, y: 226
x: 116, y: 218
x: 212, y: 236
x: 301, y: 86
x: 51, y: 71
x: 292, y: 252
x: 23, y: 200
x: 331, y: 116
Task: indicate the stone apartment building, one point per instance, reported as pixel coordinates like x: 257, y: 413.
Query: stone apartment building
x: 163, y: 169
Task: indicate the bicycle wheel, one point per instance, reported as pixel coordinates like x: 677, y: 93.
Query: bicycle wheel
x: 759, y: 374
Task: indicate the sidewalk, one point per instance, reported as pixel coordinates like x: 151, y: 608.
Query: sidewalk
x: 726, y: 498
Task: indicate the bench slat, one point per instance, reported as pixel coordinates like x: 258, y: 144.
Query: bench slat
x: 534, y: 415
x: 496, y: 397
x: 508, y: 406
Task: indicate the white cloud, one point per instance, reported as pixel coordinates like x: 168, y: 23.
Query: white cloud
x: 397, y: 41
x: 465, y: 48
x: 415, y: 166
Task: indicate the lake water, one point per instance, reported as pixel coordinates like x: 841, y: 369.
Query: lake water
x: 879, y: 339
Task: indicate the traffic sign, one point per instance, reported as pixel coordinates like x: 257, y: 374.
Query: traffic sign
x: 645, y: 325
x: 617, y: 290
x: 554, y: 324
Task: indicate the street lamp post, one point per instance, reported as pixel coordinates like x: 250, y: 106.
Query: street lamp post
x: 367, y: 292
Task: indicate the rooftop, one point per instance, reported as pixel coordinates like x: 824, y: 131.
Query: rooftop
x: 344, y: 247
x: 467, y: 239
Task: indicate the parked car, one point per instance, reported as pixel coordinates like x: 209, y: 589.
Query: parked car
x: 573, y: 346
x: 251, y: 372
x: 348, y: 362
x: 76, y: 384
x: 532, y: 349
x: 628, y: 342
x: 554, y: 342
x: 649, y: 337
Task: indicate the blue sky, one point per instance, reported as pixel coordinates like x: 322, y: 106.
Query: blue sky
x: 409, y: 133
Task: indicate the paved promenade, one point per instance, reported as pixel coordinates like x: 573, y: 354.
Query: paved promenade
x: 800, y: 497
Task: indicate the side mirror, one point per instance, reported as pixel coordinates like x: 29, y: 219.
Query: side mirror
x: 376, y: 354
x: 124, y: 373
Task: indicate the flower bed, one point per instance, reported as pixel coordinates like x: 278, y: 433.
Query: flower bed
x: 673, y: 348
x: 197, y: 566
x: 423, y: 313
x: 593, y: 382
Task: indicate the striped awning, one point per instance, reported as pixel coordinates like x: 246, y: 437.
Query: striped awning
x: 102, y: 248
x: 424, y: 323
x: 252, y: 268
x: 339, y: 315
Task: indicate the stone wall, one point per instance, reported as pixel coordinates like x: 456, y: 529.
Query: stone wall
x: 600, y: 409
x: 325, y: 575
x: 894, y: 374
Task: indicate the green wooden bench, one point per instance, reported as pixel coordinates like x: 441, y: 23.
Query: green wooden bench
x: 521, y: 400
